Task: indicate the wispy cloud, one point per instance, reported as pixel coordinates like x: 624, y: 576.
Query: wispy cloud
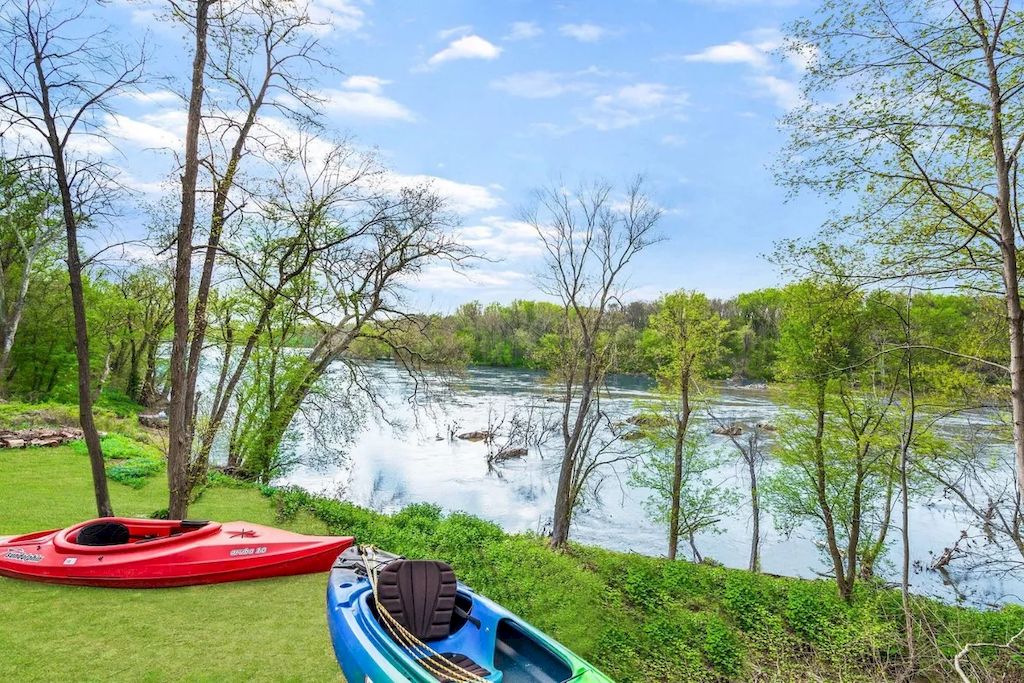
x: 736, y: 52
x: 446, y: 279
x: 336, y: 15
x: 360, y: 97
x: 462, y: 197
x: 501, y: 238
x: 546, y: 84
x: 634, y: 104
x: 785, y: 92
x: 466, y: 47
x: 463, y: 30
x: 524, y: 30
x: 153, y: 97
x: 585, y: 33
x: 760, y: 54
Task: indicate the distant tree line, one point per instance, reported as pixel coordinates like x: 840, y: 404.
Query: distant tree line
x: 520, y: 334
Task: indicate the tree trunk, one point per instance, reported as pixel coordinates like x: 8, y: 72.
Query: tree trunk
x: 13, y: 319
x: 148, y: 393
x: 682, y: 421
x: 820, y: 482
x: 755, y: 507
x: 1008, y: 250
x: 180, y: 409
x: 85, y: 416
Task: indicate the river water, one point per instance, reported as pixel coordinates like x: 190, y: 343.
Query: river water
x: 403, y: 455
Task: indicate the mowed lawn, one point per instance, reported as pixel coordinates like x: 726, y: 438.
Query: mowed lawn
x: 273, y: 629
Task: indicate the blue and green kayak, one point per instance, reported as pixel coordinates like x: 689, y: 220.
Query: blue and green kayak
x: 393, y: 620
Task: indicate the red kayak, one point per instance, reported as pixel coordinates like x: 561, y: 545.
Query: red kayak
x: 151, y: 553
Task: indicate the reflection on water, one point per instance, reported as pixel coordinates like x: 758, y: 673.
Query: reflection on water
x: 412, y: 460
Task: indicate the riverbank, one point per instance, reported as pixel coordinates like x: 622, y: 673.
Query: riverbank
x: 638, y: 618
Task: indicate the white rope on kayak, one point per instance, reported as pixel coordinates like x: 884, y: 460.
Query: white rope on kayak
x: 439, y: 666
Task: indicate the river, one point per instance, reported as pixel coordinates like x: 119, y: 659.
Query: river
x: 408, y: 457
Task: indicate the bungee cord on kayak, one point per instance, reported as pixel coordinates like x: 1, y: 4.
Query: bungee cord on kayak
x: 434, y: 662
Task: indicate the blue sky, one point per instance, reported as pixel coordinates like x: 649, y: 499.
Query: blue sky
x: 493, y: 99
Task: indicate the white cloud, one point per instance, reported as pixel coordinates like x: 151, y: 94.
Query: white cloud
x: 501, y: 238
x: 673, y: 140
x: 545, y: 84
x: 165, y: 129
x: 634, y: 104
x: 736, y: 52
x: 585, y: 33
x: 153, y: 97
x: 440, y: 277
x: 339, y: 15
x: 467, y: 47
x: 361, y: 98
x: 756, y: 53
x: 462, y: 197
x: 365, y: 83
x: 523, y: 30
x: 463, y: 30
x: 356, y: 104
x: 786, y: 93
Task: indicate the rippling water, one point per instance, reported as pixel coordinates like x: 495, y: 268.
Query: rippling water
x: 387, y: 466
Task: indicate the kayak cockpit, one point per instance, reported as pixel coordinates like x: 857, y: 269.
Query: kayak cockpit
x: 522, y: 659
x: 118, y: 534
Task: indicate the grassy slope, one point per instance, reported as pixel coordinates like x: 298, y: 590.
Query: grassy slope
x: 640, y: 619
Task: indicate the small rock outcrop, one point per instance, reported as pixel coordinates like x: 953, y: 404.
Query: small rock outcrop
x: 154, y: 420
x: 731, y: 430
x: 46, y: 438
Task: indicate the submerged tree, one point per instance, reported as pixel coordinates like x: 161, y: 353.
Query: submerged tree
x: 589, y: 237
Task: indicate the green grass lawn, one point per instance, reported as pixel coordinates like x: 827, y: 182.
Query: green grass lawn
x: 258, y: 630
x: 640, y: 619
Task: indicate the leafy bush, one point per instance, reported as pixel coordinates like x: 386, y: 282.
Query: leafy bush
x: 118, y: 447
x: 137, y: 461
x: 135, y: 471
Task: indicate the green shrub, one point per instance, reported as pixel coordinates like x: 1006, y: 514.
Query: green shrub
x: 118, y: 447
x: 135, y: 471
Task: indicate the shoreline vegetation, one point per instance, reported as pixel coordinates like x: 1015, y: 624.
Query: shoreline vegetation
x: 638, y: 618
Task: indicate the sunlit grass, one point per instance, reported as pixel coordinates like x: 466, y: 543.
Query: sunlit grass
x: 258, y: 630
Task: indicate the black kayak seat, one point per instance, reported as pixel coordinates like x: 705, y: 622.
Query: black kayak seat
x: 420, y: 595
x: 103, y: 533
x: 454, y: 659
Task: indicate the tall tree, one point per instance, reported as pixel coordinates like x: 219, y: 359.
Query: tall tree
x: 58, y: 89
x: 254, y: 52
x: 836, y: 450
x: 917, y: 107
x: 683, y: 343
x: 589, y: 237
